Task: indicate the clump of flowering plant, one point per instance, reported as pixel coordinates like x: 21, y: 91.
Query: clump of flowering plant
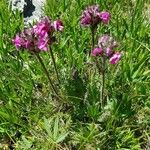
x: 92, y: 17
x: 105, y: 50
x: 39, y: 38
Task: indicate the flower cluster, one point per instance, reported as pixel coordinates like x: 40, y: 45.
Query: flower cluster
x: 105, y: 48
x: 92, y: 16
x: 38, y: 37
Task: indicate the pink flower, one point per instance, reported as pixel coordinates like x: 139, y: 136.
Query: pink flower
x: 42, y: 44
x: 107, y: 41
x: 58, y: 25
x: 43, y: 27
x: 17, y: 41
x: 86, y: 20
x: 106, y: 45
x: 38, y: 37
x: 27, y: 44
x: 109, y: 52
x: 105, y: 17
x: 96, y: 51
x: 90, y: 16
x: 115, y: 58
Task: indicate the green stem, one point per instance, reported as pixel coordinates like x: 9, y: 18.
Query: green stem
x: 46, y: 72
x: 54, y: 63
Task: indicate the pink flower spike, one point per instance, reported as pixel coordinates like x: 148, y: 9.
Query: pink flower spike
x: 17, y: 41
x: 90, y: 16
x: 115, y: 58
x: 105, y: 16
x: 58, y: 25
x: 96, y: 51
x: 38, y: 37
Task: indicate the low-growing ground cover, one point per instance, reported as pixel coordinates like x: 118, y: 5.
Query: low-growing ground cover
x: 85, y: 87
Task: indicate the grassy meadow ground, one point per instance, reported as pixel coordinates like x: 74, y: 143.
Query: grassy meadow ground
x: 31, y: 118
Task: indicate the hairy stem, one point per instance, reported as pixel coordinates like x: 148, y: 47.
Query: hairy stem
x: 103, y: 83
x: 93, y: 36
x: 46, y: 72
x: 54, y: 63
x: 100, y: 69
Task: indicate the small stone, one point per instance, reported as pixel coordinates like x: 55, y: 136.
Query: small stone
x: 32, y: 9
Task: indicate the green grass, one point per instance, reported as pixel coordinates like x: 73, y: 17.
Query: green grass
x: 30, y: 118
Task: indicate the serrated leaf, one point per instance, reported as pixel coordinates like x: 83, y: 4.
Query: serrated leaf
x: 62, y: 137
x: 56, y: 127
x: 47, y: 127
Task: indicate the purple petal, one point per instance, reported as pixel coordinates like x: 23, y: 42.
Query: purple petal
x: 96, y: 51
x: 17, y: 41
x: 58, y: 25
x: 115, y: 58
x: 105, y: 17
